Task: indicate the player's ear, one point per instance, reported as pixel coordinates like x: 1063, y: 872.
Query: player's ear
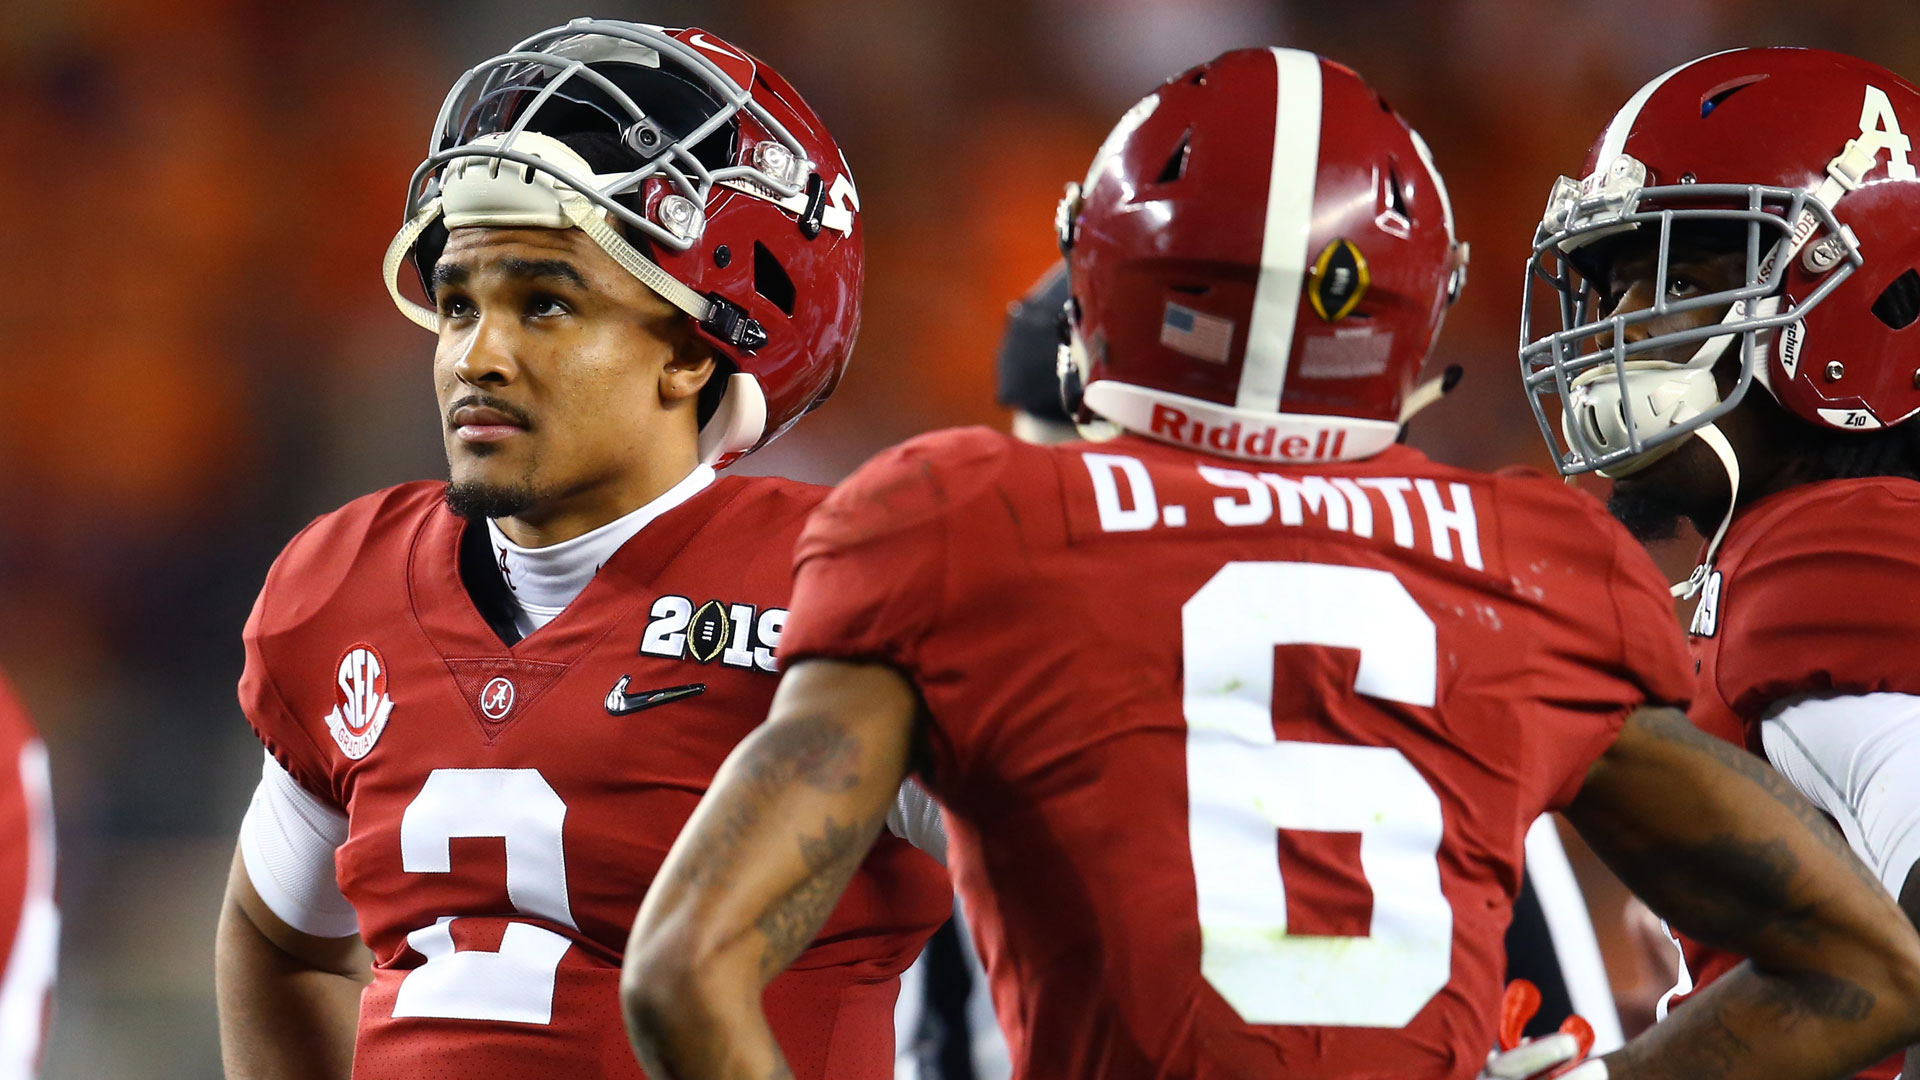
x: 689, y: 368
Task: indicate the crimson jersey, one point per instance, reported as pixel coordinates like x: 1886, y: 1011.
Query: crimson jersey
x: 1238, y: 759
x: 509, y: 806
x: 29, y: 922
x: 1808, y: 595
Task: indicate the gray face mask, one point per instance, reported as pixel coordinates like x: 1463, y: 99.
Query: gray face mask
x: 1625, y: 403
x: 494, y: 165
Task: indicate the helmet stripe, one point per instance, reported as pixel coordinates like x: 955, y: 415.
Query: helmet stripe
x: 1283, y: 245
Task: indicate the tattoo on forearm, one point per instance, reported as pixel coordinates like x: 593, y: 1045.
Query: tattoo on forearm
x: 790, y: 922
x: 1755, y: 892
x: 815, y: 750
x: 1776, y: 786
x: 1703, y: 1044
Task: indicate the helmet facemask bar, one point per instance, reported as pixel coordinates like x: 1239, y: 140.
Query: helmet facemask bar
x: 1590, y: 357
x: 486, y: 91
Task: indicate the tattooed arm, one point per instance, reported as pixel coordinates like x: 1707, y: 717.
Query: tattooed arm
x: 760, y: 867
x: 1725, y: 849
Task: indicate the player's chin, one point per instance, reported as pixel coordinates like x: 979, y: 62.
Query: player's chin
x: 1650, y: 502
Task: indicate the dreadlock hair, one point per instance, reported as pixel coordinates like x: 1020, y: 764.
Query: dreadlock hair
x: 1829, y: 454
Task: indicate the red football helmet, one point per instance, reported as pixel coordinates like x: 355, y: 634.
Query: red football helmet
x: 735, y: 204
x: 1261, y: 255
x: 1803, y: 151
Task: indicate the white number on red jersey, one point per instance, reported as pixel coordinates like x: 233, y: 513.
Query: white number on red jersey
x: 514, y: 982
x: 1243, y: 785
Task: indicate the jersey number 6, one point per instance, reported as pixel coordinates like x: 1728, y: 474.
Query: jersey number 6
x: 1243, y: 785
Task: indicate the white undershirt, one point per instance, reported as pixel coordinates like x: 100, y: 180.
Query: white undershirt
x: 544, y: 580
x: 289, y: 835
x: 1858, y: 759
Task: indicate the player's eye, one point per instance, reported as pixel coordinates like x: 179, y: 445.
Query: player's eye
x: 1680, y: 287
x: 545, y: 306
x: 454, y: 306
x: 1610, y: 301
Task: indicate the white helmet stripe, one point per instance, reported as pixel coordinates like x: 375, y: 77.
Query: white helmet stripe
x: 1615, y: 138
x: 1283, y: 245
x: 1439, y: 182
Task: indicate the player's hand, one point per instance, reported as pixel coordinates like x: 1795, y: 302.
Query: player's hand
x: 1562, y: 1055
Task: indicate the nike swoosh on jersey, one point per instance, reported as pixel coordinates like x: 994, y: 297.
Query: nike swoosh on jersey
x: 620, y: 703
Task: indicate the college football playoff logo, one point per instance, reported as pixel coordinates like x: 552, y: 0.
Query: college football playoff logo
x: 361, y: 703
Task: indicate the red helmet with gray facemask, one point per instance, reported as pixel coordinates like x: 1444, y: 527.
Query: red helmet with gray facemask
x: 694, y: 166
x: 1260, y: 258
x: 1803, y: 157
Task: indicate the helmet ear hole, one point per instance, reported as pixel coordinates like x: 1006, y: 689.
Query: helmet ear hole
x: 770, y: 279
x: 1176, y: 166
x: 1899, y: 304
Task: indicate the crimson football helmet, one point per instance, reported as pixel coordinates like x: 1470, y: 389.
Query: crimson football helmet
x: 1803, y: 153
x: 1260, y: 257
x: 731, y: 200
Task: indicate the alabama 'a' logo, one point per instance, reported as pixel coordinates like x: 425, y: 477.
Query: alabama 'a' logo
x: 361, y: 705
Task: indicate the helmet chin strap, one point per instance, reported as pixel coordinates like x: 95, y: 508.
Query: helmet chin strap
x: 1722, y: 449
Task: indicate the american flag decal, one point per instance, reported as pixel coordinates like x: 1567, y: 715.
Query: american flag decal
x: 1196, y: 333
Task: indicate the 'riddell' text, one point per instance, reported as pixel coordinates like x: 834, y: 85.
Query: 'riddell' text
x: 1265, y: 442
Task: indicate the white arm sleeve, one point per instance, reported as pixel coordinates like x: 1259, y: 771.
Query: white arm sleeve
x: 1858, y: 759
x: 915, y: 818
x: 287, y: 841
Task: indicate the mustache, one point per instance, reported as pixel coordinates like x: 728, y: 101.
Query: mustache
x: 487, y: 401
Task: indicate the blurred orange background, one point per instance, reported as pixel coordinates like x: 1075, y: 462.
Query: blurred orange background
x: 200, y: 356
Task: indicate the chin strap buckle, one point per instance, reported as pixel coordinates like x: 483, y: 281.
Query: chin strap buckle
x: 730, y: 323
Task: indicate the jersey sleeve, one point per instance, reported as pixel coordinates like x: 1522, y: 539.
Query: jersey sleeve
x: 288, y: 741
x: 1606, y: 640
x: 870, y: 565
x: 1819, y: 605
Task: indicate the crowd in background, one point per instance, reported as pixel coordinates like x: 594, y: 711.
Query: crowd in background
x: 199, y: 356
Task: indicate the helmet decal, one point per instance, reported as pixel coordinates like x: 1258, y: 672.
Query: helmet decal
x: 1258, y: 265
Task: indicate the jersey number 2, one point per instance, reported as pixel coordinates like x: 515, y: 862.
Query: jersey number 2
x: 1244, y: 785
x: 514, y: 982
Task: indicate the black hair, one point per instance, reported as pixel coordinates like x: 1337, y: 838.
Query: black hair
x: 1827, y: 454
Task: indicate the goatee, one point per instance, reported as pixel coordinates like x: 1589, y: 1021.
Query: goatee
x: 1647, y: 512
x: 477, y: 501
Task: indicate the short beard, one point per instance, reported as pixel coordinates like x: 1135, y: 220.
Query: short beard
x: 477, y: 501
x: 1650, y: 514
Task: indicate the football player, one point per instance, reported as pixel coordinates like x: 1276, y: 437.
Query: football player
x: 1736, y: 281
x: 490, y: 705
x: 29, y: 921
x: 1240, y: 719
x: 1550, y: 942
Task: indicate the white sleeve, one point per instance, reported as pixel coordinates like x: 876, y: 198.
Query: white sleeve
x: 287, y: 841
x: 1858, y: 759
x: 915, y: 818
x: 28, y: 962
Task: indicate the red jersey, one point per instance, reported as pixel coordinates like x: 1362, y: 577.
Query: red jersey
x: 1238, y: 759
x: 509, y: 806
x: 29, y: 921
x: 1810, y: 593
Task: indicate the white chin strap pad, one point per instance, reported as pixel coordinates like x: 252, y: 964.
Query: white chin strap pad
x: 1658, y: 395
x: 508, y: 194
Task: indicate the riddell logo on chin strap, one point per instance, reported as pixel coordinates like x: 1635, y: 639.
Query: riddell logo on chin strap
x: 1257, y: 442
